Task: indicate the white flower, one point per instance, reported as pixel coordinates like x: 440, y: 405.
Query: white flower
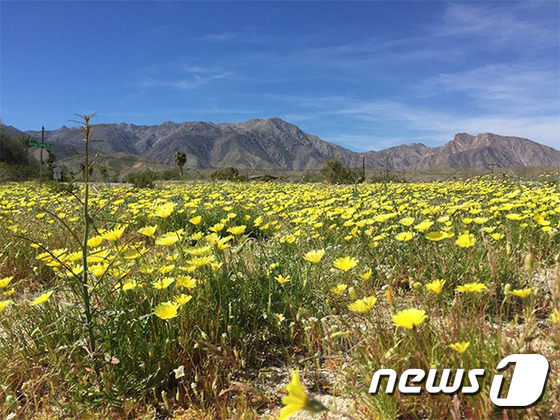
x: 179, y: 372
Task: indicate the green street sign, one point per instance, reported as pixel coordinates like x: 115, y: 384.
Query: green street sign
x: 42, y: 145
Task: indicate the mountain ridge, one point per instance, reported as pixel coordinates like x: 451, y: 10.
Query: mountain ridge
x: 276, y: 144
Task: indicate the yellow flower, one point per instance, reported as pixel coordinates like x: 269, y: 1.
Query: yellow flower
x: 130, y: 285
x: 424, y: 226
x: 339, y: 289
x: 409, y: 318
x: 182, y: 299
x: 164, y: 283
x: 314, y: 256
x: 435, y: 236
x: 5, y: 282
x: 166, y: 310
x: 196, y: 220
x: 345, y: 263
x: 166, y: 269
x: 497, y: 236
x: 404, y: 236
x: 202, y: 261
x: 435, y: 286
x: 113, y: 234
x: 407, y: 221
x: 165, y: 210
x: 514, y: 216
x: 222, y: 243
x: 281, y: 279
x: 279, y: 318
x: 555, y: 316
x: 186, y: 281
x: 522, y: 293
x: 95, y: 241
x: 460, y: 347
x: 364, y: 305
x: 472, y: 287
x: 466, y: 240
x: 148, y: 231
x: 168, y: 239
x: 4, y: 304
x: 42, y: 299
x: 297, y: 400
x: 366, y: 275
x: 237, y: 230
x: 218, y: 227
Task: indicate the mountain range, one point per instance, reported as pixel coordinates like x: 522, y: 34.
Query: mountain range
x: 276, y: 144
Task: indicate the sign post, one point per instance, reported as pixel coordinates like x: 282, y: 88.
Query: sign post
x: 41, y: 166
x: 41, y: 146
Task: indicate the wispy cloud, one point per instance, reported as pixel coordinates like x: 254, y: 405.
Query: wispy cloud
x: 190, y: 77
x: 501, y: 24
x: 519, y: 88
x: 219, y: 37
x: 388, y: 123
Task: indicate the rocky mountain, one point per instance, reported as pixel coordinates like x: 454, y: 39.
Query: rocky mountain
x: 275, y: 144
x: 478, y: 152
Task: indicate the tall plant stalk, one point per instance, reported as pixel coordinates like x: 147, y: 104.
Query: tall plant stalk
x: 85, y: 288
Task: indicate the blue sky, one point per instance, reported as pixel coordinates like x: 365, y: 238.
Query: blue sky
x: 365, y: 75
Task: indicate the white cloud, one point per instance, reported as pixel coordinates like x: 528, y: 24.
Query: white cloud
x: 519, y: 89
x: 391, y: 122
x: 190, y: 77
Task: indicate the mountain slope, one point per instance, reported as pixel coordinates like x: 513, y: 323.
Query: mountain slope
x: 478, y: 152
x: 275, y: 144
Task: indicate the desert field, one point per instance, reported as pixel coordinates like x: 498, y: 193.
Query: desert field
x: 203, y: 300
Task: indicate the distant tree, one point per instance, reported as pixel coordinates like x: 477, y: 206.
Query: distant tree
x: 142, y: 179
x: 51, y: 159
x: 180, y: 160
x: 333, y: 171
x: 226, y: 174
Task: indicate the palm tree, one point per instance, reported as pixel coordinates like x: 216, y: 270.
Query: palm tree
x: 180, y: 160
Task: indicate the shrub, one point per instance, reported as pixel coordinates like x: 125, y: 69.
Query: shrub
x: 227, y: 174
x: 334, y: 172
x: 142, y: 179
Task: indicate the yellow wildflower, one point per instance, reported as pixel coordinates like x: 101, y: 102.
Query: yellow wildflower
x: 281, y: 279
x: 435, y: 286
x: 409, y: 318
x: 42, y: 299
x: 297, y: 400
x: 182, y: 299
x: 4, y: 304
x: 113, y: 234
x: 466, y: 240
x: 314, y: 256
x: 460, y: 347
x: 339, y: 289
x: 345, y: 263
x: 167, y: 310
x: 404, y: 236
x: 364, y: 305
x: 147, y: 231
x: 522, y: 293
x: 164, y: 283
x: 472, y: 287
x: 5, y: 282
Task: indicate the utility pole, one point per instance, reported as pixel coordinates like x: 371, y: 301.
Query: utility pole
x: 41, y: 164
x: 386, y: 158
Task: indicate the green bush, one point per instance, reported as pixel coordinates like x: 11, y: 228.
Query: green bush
x: 334, y: 172
x: 142, y: 179
x: 227, y: 174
